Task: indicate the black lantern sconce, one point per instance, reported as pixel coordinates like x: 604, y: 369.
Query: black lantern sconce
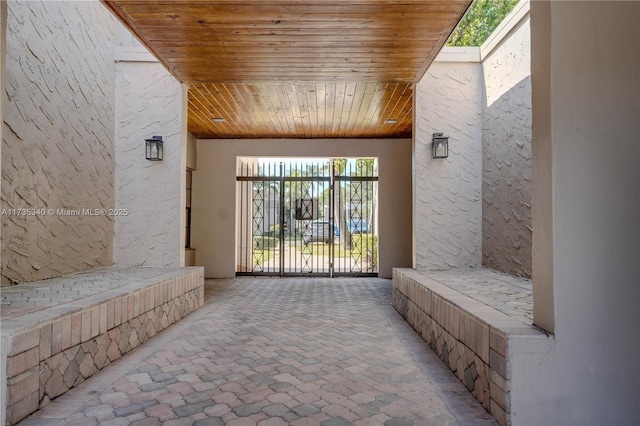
x: 154, y: 149
x: 440, y: 146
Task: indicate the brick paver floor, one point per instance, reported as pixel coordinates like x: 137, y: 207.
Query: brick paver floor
x: 277, y: 352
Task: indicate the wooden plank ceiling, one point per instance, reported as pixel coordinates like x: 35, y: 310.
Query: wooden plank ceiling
x: 294, y: 68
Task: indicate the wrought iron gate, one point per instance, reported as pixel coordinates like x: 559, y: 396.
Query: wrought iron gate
x: 303, y: 217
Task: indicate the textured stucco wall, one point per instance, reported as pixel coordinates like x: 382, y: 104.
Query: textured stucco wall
x: 58, y: 134
x: 149, y: 102
x: 448, y: 197
x: 506, y: 148
x: 3, y: 45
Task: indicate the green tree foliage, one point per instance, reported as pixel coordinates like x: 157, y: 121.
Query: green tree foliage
x: 479, y: 22
x: 365, y: 166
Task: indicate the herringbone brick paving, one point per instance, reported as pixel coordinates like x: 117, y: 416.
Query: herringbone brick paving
x: 277, y: 352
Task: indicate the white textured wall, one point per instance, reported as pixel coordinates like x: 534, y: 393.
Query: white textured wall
x: 4, y: 341
x: 148, y: 102
x: 58, y: 135
x: 506, y: 148
x: 3, y: 45
x: 448, y: 200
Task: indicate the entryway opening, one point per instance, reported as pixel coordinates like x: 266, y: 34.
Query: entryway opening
x: 307, y: 216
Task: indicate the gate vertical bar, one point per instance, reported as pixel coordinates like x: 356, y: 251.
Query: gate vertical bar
x: 282, y: 221
x: 240, y: 249
x: 332, y: 221
x: 291, y: 251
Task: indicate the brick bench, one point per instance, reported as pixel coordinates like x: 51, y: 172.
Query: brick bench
x: 476, y: 341
x: 56, y: 333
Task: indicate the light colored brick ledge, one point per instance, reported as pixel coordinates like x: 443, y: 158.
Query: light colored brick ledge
x: 49, y: 351
x: 471, y: 338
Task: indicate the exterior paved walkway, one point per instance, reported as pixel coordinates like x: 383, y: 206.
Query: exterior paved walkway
x: 276, y: 352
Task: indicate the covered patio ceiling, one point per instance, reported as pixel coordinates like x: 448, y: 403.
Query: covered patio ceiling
x: 294, y: 68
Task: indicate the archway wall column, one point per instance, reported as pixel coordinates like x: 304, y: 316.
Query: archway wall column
x: 586, y: 205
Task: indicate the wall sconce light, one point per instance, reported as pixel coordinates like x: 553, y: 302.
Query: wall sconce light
x: 440, y: 146
x: 154, y: 149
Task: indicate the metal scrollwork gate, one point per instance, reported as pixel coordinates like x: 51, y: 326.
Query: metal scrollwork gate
x: 301, y: 217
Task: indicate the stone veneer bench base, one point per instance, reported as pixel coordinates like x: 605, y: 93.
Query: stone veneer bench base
x: 56, y: 333
x: 475, y: 340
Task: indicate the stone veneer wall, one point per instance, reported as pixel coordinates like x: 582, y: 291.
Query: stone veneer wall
x: 57, y: 350
x: 58, y: 135
x: 148, y: 102
x: 447, y: 194
x: 506, y: 148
